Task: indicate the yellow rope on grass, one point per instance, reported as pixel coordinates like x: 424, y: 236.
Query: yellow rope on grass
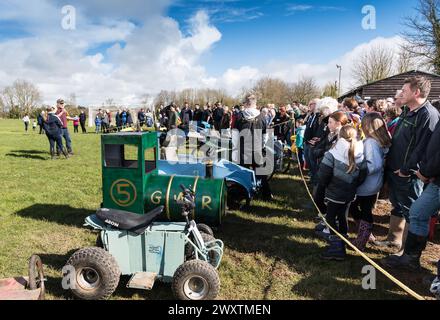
x: 363, y: 255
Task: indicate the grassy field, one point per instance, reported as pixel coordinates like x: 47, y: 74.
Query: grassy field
x: 271, y: 250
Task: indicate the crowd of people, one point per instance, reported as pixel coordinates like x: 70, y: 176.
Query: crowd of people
x: 350, y: 150
x: 356, y: 148
x: 353, y: 150
x: 122, y: 119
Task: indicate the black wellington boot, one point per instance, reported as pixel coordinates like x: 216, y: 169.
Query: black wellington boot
x: 410, y: 259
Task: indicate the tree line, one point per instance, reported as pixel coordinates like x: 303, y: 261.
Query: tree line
x: 421, y: 47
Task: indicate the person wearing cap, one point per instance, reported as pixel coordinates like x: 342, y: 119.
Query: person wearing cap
x: 252, y: 127
x: 64, y: 117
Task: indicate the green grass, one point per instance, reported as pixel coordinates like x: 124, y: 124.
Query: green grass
x: 271, y: 250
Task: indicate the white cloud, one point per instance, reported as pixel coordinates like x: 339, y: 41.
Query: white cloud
x: 299, y: 7
x: 291, y: 9
x: 322, y: 73
x: 155, y: 56
x: 143, y: 58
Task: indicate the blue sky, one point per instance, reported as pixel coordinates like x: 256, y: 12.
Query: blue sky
x: 127, y: 49
x: 311, y: 31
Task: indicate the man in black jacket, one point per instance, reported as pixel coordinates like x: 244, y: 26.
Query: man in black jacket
x: 252, y: 127
x: 217, y: 115
x: 411, y: 136
x: 141, y: 118
x: 187, y: 116
x: 197, y: 115
x: 312, y: 126
x: 82, y: 121
x: 426, y: 206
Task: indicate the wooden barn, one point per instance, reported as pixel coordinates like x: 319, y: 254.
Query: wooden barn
x: 387, y: 88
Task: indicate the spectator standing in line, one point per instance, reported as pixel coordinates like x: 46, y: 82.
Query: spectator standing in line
x: 26, y: 122
x: 64, y: 117
x: 53, y: 127
x: 40, y: 121
x: 411, y: 136
x: 82, y: 121
x: 75, y: 124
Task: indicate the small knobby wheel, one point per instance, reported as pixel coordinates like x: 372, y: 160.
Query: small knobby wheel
x: 189, y: 249
x: 96, y: 274
x: 196, y: 280
x: 36, y: 276
x: 205, y: 229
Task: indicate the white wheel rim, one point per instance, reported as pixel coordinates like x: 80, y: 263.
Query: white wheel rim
x: 195, y: 288
x: 88, y: 278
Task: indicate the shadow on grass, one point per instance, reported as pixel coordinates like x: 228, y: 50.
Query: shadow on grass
x: 160, y: 291
x: 30, y: 151
x: 29, y: 154
x: 61, y: 214
x: 344, y: 290
x: 26, y: 156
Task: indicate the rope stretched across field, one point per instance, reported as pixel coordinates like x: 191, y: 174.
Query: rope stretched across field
x: 363, y: 255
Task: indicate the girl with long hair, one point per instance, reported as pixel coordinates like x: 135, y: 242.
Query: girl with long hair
x: 342, y: 171
x: 376, y: 146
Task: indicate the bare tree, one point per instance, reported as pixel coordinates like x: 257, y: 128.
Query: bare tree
x: 304, y: 90
x: 330, y: 90
x: 423, y: 33
x: 26, y: 94
x: 2, y: 107
x: 109, y: 102
x: 145, y: 100
x: 405, y: 62
x: 20, y: 98
x: 72, y: 100
x: 8, y: 98
x: 372, y: 65
x: 271, y: 90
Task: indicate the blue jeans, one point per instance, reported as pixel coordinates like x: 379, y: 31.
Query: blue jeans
x: 306, y: 154
x: 313, y: 166
x: 403, y: 193
x: 65, y: 134
x: 426, y: 206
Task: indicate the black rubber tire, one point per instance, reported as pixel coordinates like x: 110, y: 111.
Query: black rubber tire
x: 205, y: 229
x: 236, y: 195
x: 103, y: 264
x: 207, y: 238
x: 200, y: 269
x: 36, y: 276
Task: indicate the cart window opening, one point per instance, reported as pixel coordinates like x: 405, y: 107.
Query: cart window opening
x: 121, y: 156
x: 150, y: 159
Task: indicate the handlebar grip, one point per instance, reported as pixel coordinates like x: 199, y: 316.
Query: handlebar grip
x: 187, y: 190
